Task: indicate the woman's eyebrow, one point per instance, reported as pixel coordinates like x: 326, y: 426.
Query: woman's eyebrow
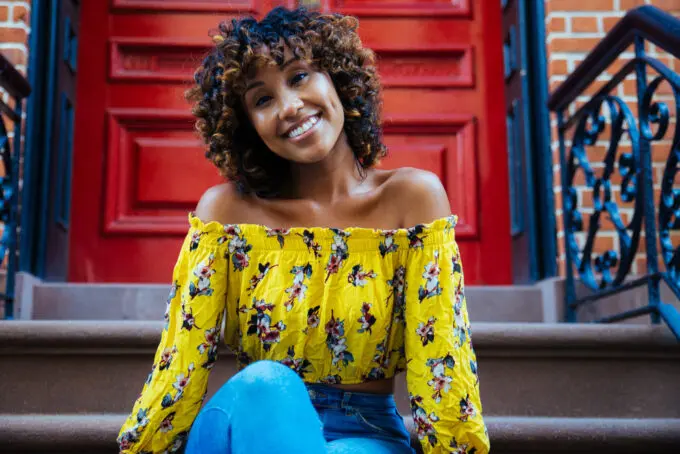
x: 254, y: 84
x: 291, y: 60
x: 258, y: 83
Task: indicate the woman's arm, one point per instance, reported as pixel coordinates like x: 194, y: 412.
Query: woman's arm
x: 175, y: 388
x: 441, y: 373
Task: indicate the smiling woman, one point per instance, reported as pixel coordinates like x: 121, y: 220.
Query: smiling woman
x: 331, y: 276
x: 245, y: 109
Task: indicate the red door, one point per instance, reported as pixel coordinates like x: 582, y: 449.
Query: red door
x: 138, y: 167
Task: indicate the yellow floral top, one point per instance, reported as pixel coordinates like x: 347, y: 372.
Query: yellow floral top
x: 336, y: 306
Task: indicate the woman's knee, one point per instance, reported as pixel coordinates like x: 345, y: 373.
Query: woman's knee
x: 266, y: 377
x: 260, y: 380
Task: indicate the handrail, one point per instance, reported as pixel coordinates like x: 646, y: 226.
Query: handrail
x: 12, y: 81
x: 627, y: 167
x: 648, y: 22
x: 18, y: 88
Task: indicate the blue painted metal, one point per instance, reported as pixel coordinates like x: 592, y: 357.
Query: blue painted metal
x: 513, y: 122
x: 50, y: 100
x: 608, y: 272
x: 541, y: 159
x: 645, y: 150
x: 17, y: 88
x: 62, y: 202
x: 34, y: 135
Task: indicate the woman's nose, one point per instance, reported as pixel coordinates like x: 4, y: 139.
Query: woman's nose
x: 290, y: 106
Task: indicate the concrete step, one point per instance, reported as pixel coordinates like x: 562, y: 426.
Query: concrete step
x: 38, y: 300
x: 552, y: 370
x: 540, y: 302
x: 96, y: 433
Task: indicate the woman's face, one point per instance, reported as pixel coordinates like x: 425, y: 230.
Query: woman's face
x: 295, y: 109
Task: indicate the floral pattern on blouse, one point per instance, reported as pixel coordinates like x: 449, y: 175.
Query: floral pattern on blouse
x: 260, y: 323
x: 336, y: 341
x: 317, y: 300
x: 297, y: 291
x: 263, y: 269
x: 280, y: 235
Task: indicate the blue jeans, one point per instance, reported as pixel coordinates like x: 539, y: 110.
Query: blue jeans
x: 267, y: 408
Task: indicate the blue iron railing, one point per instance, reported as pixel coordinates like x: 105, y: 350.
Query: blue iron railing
x: 17, y: 88
x: 626, y: 167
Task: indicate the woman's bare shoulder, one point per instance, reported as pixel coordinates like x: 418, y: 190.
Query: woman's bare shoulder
x: 220, y: 203
x: 419, y: 193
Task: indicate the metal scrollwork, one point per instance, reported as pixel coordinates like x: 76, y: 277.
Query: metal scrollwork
x: 669, y: 200
x: 607, y: 273
x: 611, y: 266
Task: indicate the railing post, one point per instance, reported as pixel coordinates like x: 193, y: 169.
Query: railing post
x: 12, y: 218
x: 569, y: 291
x: 653, y: 293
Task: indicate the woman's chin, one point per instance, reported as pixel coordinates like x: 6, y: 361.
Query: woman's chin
x: 309, y: 157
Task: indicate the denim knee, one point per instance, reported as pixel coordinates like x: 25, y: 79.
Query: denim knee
x: 260, y: 380
x: 263, y: 373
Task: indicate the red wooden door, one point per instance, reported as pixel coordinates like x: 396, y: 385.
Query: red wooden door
x: 138, y: 168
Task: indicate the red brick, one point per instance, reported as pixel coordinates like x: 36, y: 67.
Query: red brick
x: 573, y: 44
x: 588, y: 5
x: 557, y: 24
x: 609, y: 22
x: 661, y: 151
x: 629, y: 87
x: 561, y: 267
x: 667, y: 5
x: 12, y: 35
x: 20, y: 14
x: 603, y: 243
x: 558, y: 67
x: 15, y: 56
x: 584, y: 25
x: 554, y: 84
x: 4, y: 13
x: 630, y: 4
x: 617, y: 65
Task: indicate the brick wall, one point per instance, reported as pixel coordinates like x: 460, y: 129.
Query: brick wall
x: 14, y: 30
x: 14, y: 27
x: 573, y: 28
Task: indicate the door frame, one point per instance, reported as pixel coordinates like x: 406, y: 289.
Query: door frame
x: 37, y: 193
x: 541, y: 152
x: 531, y: 198
x: 40, y: 70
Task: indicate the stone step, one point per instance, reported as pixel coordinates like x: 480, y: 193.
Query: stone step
x: 558, y: 370
x: 38, y: 300
x: 535, y: 303
x: 96, y: 433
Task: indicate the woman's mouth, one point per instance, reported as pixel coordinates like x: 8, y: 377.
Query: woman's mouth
x: 305, y: 129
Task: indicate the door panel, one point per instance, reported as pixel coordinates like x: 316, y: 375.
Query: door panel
x: 441, y: 68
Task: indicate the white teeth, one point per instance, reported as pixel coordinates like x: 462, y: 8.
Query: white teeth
x: 306, y: 126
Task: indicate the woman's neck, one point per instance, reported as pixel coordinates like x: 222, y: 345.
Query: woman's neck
x: 330, y: 180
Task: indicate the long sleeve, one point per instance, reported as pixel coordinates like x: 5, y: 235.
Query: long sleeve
x: 441, y: 372
x: 175, y: 388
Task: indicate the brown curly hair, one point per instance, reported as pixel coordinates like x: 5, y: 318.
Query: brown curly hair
x: 327, y: 41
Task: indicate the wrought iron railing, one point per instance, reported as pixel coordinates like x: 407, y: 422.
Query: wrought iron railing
x: 16, y: 88
x: 621, y: 184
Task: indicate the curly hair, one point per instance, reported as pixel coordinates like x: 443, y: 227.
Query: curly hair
x: 327, y: 41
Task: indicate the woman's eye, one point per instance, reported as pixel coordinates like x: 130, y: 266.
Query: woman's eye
x: 261, y: 100
x: 299, y: 77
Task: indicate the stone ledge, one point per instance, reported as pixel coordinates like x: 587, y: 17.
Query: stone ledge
x: 44, y: 335
x: 97, y: 432
x: 38, y: 300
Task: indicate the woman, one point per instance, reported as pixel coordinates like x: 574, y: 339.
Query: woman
x: 324, y: 315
